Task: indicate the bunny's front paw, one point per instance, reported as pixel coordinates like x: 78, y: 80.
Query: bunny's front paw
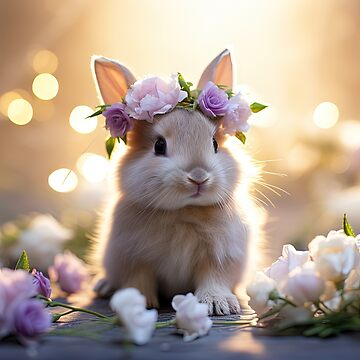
x: 219, y: 302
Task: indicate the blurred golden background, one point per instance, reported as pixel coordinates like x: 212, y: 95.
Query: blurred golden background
x: 300, y: 57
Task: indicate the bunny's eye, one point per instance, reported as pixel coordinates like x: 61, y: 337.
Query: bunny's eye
x: 215, y: 145
x: 160, y: 146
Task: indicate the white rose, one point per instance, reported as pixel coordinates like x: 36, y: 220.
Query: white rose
x: 304, y: 284
x: 43, y: 239
x: 331, y: 296
x: 192, y: 318
x: 290, y: 259
x: 260, y: 290
x: 335, y: 255
x: 353, y: 280
x: 130, y: 307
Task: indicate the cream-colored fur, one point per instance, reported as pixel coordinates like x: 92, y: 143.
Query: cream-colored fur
x: 158, y: 238
x: 157, y: 234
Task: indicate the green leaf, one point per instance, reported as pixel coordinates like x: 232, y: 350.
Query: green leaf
x: 348, y: 230
x: 101, y: 108
x: 123, y: 138
x: 184, y: 85
x: 256, y: 107
x: 96, y: 113
x: 110, y: 144
x: 329, y: 331
x: 230, y: 93
x: 314, y: 330
x: 23, y: 262
x: 241, y: 136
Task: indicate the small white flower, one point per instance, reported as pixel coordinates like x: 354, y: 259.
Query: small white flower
x: 357, y: 239
x: 335, y: 255
x: 260, y: 290
x: 192, y: 318
x: 130, y: 307
x: 43, y: 239
x: 304, y: 284
x: 237, y: 115
x: 290, y: 259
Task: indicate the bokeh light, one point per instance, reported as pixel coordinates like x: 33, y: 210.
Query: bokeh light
x: 302, y: 158
x: 63, y: 180
x: 326, y: 115
x: 45, y: 86
x: 349, y: 134
x: 20, y: 111
x: 79, y: 122
x: 6, y: 99
x: 45, y: 61
x: 93, y: 167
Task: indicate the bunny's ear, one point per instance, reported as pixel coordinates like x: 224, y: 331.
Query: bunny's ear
x: 219, y: 71
x: 112, y: 79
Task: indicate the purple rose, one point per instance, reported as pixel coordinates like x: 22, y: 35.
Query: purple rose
x: 31, y: 318
x: 16, y: 286
x: 117, y: 120
x: 42, y: 283
x: 69, y: 271
x: 213, y: 101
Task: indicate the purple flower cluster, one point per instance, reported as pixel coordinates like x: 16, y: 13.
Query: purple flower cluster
x: 19, y: 313
x: 213, y: 101
x: 151, y: 96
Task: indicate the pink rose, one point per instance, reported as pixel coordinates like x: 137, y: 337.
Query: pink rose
x: 237, y: 115
x: 151, y: 96
x: 69, y: 271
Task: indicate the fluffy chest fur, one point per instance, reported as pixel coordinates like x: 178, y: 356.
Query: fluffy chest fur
x: 177, y: 245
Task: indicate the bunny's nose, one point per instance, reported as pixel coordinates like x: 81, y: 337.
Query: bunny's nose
x: 198, y: 176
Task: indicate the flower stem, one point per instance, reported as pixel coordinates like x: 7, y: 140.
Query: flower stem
x: 326, y: 308
x: 87, y: 311
x: 51, y: 303
x: 287, y: 301
x: 162, y: 324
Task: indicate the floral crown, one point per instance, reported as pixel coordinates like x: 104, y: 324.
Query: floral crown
x: 154, y: 96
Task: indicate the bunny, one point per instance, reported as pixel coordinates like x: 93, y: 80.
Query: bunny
x: 182, y: 218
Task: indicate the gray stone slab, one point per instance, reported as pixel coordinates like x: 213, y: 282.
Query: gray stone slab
x: 223, y: 342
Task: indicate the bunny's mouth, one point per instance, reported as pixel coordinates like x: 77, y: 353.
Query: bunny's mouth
x: 198, y: 192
